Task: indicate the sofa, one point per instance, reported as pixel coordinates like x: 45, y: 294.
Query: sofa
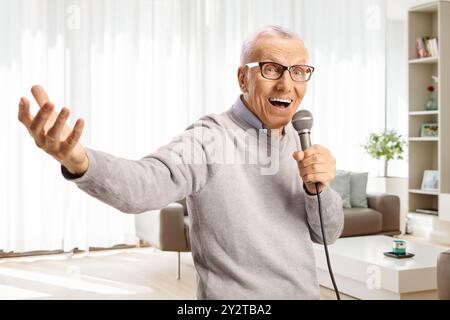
x: 382, y: 216
x: 365, y: 213
x: 168, y: 229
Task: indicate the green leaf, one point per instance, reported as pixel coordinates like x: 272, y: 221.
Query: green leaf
x: 386, y: 145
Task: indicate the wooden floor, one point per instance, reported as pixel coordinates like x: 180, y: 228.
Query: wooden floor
x: 138, y: 273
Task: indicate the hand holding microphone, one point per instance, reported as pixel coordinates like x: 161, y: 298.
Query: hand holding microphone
x: 317, y: 169
x: 315, y: 163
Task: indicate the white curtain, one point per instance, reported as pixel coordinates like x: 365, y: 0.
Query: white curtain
x: 138, y: 72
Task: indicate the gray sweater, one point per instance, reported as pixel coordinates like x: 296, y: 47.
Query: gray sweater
x: 251, y: 222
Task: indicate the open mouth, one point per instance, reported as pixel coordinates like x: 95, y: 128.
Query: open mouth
x: 280, y: 102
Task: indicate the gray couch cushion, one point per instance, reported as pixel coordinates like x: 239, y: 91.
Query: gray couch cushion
x: 361, y: 221
x: 358, y: 193
x: 341, y: 184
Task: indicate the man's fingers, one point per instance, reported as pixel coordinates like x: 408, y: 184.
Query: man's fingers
x: 73, y: 137
x: 321, y: 148
x: 298, y: 155
x: 315, y: 169
x: 40, y: 119
x: 54, y: 133
x: 323, y: 178
x: 24, y: 112
x: 318, y: 158
x: 40, y: 95
x: 317, y: 148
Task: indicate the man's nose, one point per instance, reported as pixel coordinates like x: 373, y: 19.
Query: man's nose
x: 285, y: 82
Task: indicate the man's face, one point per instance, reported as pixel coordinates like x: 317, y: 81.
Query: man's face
x: 258, y: 91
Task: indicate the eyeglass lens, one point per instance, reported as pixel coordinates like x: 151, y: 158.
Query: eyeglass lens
x: 274, y: 71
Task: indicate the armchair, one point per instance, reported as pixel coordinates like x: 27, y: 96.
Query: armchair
x: 167, y: 229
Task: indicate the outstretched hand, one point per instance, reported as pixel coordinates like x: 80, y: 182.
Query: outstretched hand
x: 52, y: 134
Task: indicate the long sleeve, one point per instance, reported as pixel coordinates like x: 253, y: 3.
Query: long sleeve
x: 171, y: 173
x: 332, y: 214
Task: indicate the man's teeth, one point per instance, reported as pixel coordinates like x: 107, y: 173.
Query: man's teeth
x: 288, y: 101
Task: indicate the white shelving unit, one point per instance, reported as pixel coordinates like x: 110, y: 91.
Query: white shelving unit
x: 422, y: 113
x: 429, y: 153
x: 424, y: 60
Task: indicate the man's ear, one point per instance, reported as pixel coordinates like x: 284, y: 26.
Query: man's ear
x: 242, y: 78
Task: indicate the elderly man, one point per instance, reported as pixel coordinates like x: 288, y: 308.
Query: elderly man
x: 251, y: 233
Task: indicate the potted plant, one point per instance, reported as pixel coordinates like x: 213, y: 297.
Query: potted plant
x: 387, y: 145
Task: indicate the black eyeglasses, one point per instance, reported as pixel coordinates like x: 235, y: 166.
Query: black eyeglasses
x: 274, y: 71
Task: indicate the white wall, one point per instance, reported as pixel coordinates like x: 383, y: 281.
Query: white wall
x: 396, y: 75
x: 396, y: 88
x: 397, y: 8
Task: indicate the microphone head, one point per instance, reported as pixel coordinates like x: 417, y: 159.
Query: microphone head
x: 302, y: 121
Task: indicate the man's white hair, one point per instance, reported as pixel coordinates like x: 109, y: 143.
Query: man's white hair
x: 268, y: 31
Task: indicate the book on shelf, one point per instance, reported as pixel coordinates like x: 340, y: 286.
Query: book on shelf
x: 427, y: 211
x: 427, y: 47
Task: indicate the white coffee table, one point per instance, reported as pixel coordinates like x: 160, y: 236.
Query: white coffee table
x: 362, y: 271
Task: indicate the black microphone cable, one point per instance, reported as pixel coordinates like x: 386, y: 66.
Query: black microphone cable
x: 325, y: 243
x: 302, y: 121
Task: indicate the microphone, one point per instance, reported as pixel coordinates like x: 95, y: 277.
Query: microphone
x: 302, y: 121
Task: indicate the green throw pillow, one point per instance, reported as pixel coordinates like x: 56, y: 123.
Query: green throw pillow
x: 341, y: 184
x: 358, y: 186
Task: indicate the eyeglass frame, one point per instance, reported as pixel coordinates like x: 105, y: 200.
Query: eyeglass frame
x: 261, y: 64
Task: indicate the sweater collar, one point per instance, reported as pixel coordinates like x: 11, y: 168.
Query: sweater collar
x: 242, y: 112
